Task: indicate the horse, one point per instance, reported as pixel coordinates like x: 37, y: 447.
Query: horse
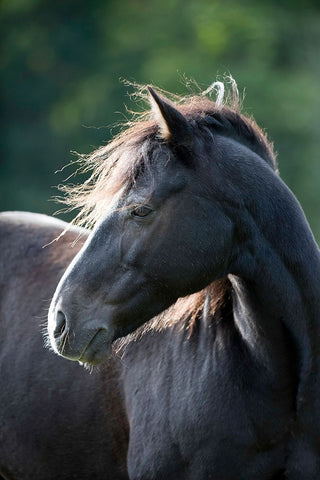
x: 56, y: 420
x: 194, y: 297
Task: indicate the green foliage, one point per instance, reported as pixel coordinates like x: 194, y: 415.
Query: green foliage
x: 62, y: 61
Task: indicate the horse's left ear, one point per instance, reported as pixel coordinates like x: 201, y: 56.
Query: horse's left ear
x: 173, y: 126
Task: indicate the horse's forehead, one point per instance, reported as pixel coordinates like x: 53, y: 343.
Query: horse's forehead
x: 165, y: 175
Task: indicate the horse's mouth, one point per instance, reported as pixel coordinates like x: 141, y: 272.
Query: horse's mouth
x: 98, y: 348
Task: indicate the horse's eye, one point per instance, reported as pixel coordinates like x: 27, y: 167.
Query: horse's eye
x: 141, y: 211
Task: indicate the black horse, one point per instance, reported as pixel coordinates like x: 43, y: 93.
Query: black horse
x: 56, y: 420
x: 204, y: 256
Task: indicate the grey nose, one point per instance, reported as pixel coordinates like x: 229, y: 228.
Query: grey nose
x: 61, y: 325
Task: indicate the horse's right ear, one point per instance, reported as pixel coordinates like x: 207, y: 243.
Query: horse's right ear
x: 173, y: 126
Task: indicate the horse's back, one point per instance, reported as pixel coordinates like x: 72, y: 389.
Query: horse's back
x: 25, y: 240
x: 55, y: 418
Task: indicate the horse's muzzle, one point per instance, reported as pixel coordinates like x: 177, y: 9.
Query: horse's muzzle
x: 61, y: 325
x: 87, y: 344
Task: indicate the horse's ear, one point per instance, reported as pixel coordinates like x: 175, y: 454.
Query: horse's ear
x: 173, y: 126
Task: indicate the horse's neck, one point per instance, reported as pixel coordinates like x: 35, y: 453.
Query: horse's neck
x: 277, y: 261
x: 277, y: 294
x: 276, y: 300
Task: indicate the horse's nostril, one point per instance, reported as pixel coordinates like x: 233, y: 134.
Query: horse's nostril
x: 61, y: 324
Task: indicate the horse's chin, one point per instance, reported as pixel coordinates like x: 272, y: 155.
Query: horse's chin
x: 97, y: 350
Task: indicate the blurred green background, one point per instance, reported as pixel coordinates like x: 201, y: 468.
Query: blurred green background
x: 61, y: 63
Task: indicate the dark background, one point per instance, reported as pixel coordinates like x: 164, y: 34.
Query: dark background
x: 62, y: 61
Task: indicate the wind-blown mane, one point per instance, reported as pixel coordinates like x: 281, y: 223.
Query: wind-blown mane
x: 113, y: 168
x: 115, y: 165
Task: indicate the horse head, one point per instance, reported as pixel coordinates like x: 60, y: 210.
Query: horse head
x: 168, y: 232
